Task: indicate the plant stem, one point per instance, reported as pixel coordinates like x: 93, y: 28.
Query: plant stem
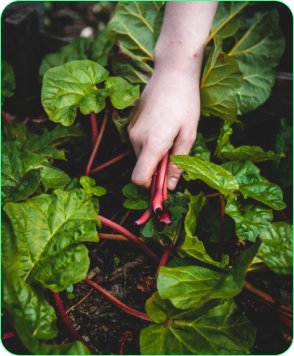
x: 286, y: 321
x: 222, y: 231
x: 79, y: 302
x: 95, y: 149
x: 212, y: 195
x: 283, y: 216
x: 5, y: 116
x: 94, y: 127
x: 266, y: 297
x: 165, y: 218
x: 164, y: 258
x: 122, y: 344
x: 158, y: 198
x: 112, y: 237
x: 129, y: 236
x: 117, y: 302
x: 68, y: 323
x: 110, y: 162
x: 9, y: 335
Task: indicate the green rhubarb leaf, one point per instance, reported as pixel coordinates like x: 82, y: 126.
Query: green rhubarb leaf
x: 91, y: 188
x: 53, y: 177
x: 133, y: 26
x: 123, y: 94
x: 276, y: 249
x: 7, y: 81
x: 228, y: 18
x: 220, y: 83
x: 213, y: 175
x: 190, y: 286
x: 43, y: 243
x: 121, y: 123
x: 71, y: 86
x: 253, y: 185
x: 79, y: 48
x: 100, y: 48
x: 200, y: 149
x: 137, y: 198
x: 217, y: 328
x: 250, y: 218
x: 258, y: 52
x: 226, y: 151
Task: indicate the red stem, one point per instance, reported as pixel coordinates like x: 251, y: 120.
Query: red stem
x: 68, y: 323
x: 164, y: 258
x: 147, y: 214
x: 212, y: 195
x: 222, y: 231
x: 4, y: 115
x: 158, y: 198
x: 109, y: 163
x: 165, y: 218
x: 285, y: 320
x: 95, y: 149
x: 122, y: 345
x: 94, y: 127
x: 9, y: 335
x: 129, y: 236
x: 117, y: 302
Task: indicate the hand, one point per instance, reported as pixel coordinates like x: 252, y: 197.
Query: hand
x: 164, y: 118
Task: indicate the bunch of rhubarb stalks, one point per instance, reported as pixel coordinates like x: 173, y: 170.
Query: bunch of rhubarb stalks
x: 158, y: 194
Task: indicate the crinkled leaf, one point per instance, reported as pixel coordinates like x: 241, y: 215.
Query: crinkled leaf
x: 191, y: 286
x: 227, y: 20
x: 71, y: 86
x: 53, y: 177
x: 217, y: 328
x: 191, y: 245
x: 253, y: 185
x: 220, y: 82
x: 79, y: 48
x: 276, y: 249
x: 49, y: 229
x: 213, y: 175
x: 100, y: 48
x: 199, y: 148
x: 133, y: 26
x: 137, y: 197
x: 123, y: 94
x: 257, y: 52
x: 7, y: 81
x: 250, y: 218
x: 226, y: 151
x: 121, y: 124
x: 90, y: 188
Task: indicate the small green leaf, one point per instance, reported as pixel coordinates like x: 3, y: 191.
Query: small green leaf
x: 70, y: 296
x: 276, y: 249
x: 90, y: 188
x: 100, y: 48
x: 7, y: 81
x: 123, y: 94
x: 220, y: 83
x: 199, y: 148
x: 213, y: 175
x: 137, y: 197
x: 52, y: 177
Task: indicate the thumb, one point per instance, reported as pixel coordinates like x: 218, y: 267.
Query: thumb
x: 182, y: 146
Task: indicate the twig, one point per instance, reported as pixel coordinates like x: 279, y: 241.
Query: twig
x: 117, y: 302
x: 222, y: 231
x: 129, y: 236
x: 5, y: 116
x: 110, y: 162
x: 95, y: 149
x: 78, y: 303
x: 94, y: 127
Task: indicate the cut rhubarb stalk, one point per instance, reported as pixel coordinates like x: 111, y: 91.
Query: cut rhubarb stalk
x: 158, y: 196
x: 165, y: 218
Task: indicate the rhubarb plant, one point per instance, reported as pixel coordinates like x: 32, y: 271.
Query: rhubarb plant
x: 226, y: 197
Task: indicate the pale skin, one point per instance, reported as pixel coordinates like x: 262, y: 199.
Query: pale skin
x: 166, y: 115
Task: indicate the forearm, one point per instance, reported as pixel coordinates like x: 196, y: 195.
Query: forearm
x: 183, y: 36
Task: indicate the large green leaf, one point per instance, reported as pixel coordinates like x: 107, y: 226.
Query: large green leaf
x: 100, y: 48
x: 133, y: 26
x: 226, y: 151
x: 189, y: 286
x: 250, y: 218
x: 137, y: 198
x: 227, y: 20
x: 257, y: 52
x: 43, y: 242
x: 33, y: 318
x: 191, y: 246
x: 220, y: 82
x: 213, y: 175
x: 7, y: 81
x: 217, y: 328
x: 253, y: 185
x: 276, y: 249
x: 71, y: 86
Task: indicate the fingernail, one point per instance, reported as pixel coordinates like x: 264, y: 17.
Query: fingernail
x: 172, y: 183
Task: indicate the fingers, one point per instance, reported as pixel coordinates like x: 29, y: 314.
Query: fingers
x: 182, y: 146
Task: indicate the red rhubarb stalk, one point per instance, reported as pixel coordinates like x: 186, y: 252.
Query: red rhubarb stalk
x: 129, y: 236
x: 95, y: 149
x: 164, y: 258
x: 9, y: 335
x: 4, y: 115
x: 68, y: 323
x: 94, y: 127
x: 109, y: 163
x: 158, y: 197
x: 117, y: 302
x: 165, y: 218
